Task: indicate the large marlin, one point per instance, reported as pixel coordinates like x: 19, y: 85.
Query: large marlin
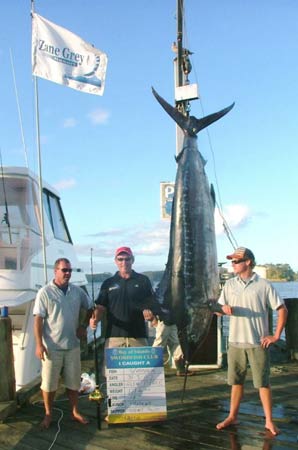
x: 190, y: 281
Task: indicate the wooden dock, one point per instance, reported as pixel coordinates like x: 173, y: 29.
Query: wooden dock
x: 190, y: 424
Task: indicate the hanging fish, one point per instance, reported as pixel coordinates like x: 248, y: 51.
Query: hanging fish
x: 190, y: 283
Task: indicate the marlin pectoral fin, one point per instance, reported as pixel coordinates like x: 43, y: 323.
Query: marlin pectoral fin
x: 190, y: 125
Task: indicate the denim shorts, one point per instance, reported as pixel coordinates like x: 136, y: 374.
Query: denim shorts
x: 259, y: 360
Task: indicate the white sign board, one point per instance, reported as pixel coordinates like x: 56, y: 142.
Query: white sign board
x: 135, y: 384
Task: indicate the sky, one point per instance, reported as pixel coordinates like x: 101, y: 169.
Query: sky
x: 107, y: 154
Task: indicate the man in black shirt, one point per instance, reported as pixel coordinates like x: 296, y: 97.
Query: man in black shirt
x: 129, y: 301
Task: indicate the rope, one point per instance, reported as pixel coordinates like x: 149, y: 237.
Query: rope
x: 58, y: 423
x: 58, y: 427
x: 227, y: 229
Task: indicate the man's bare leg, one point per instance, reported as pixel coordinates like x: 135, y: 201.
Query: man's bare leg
x: 74, y: 399
x: 236, y: 396
x: 48, y: 399
x: 266, y: 399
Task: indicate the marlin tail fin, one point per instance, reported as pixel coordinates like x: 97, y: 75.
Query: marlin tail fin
x: 190, y: 125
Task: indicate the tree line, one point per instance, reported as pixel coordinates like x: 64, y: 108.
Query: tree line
x: 153, y: 275
x: 281, y: 272
x: 275, y: 272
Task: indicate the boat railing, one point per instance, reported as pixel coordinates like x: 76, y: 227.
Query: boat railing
x: 17, y: 245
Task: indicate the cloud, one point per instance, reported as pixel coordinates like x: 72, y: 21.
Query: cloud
x: 235, y: 216
x: 99, y: 116
x: 153, y: 239
x: 144, y: 239
x: 65, y: 184
x: 149, y: 242
x: 70, y: 122
x: 107, y: 233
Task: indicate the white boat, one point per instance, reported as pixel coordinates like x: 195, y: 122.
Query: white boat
x: 22, y: 268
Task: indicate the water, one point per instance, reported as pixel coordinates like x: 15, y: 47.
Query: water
x: 287, y: 289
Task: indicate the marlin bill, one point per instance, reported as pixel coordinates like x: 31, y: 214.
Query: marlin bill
x: 190, y: 281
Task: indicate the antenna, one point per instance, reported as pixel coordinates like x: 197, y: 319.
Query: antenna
x: 19, y: 109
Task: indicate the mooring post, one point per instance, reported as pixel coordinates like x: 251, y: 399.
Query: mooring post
x: 7, y: 375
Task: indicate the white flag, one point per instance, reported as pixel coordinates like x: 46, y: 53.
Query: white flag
x: 63, y: 57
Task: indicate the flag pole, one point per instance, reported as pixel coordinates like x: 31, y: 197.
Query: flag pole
x: 39, y: 168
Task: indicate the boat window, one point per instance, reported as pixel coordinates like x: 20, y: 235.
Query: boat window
x: 18, y: 204
x: 19, y: 221
x: 55, y: 216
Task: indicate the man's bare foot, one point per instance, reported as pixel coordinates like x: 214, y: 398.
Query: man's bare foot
x: 79, y: 418
x: 272, y: 428
x: 46, y: 422
x: 226, y: 423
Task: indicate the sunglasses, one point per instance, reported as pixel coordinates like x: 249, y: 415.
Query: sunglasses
x: 123, y: 259
x: 64, y: 270
x: 238, y: 261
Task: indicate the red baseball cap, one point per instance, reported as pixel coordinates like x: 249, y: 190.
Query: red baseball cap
x: 126, y: 250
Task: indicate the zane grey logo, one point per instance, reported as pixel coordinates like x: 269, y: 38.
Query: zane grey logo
x: 65, y: 54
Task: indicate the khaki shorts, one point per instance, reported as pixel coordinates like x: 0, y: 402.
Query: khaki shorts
x: 65, y: 362
x: 259, y: 361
